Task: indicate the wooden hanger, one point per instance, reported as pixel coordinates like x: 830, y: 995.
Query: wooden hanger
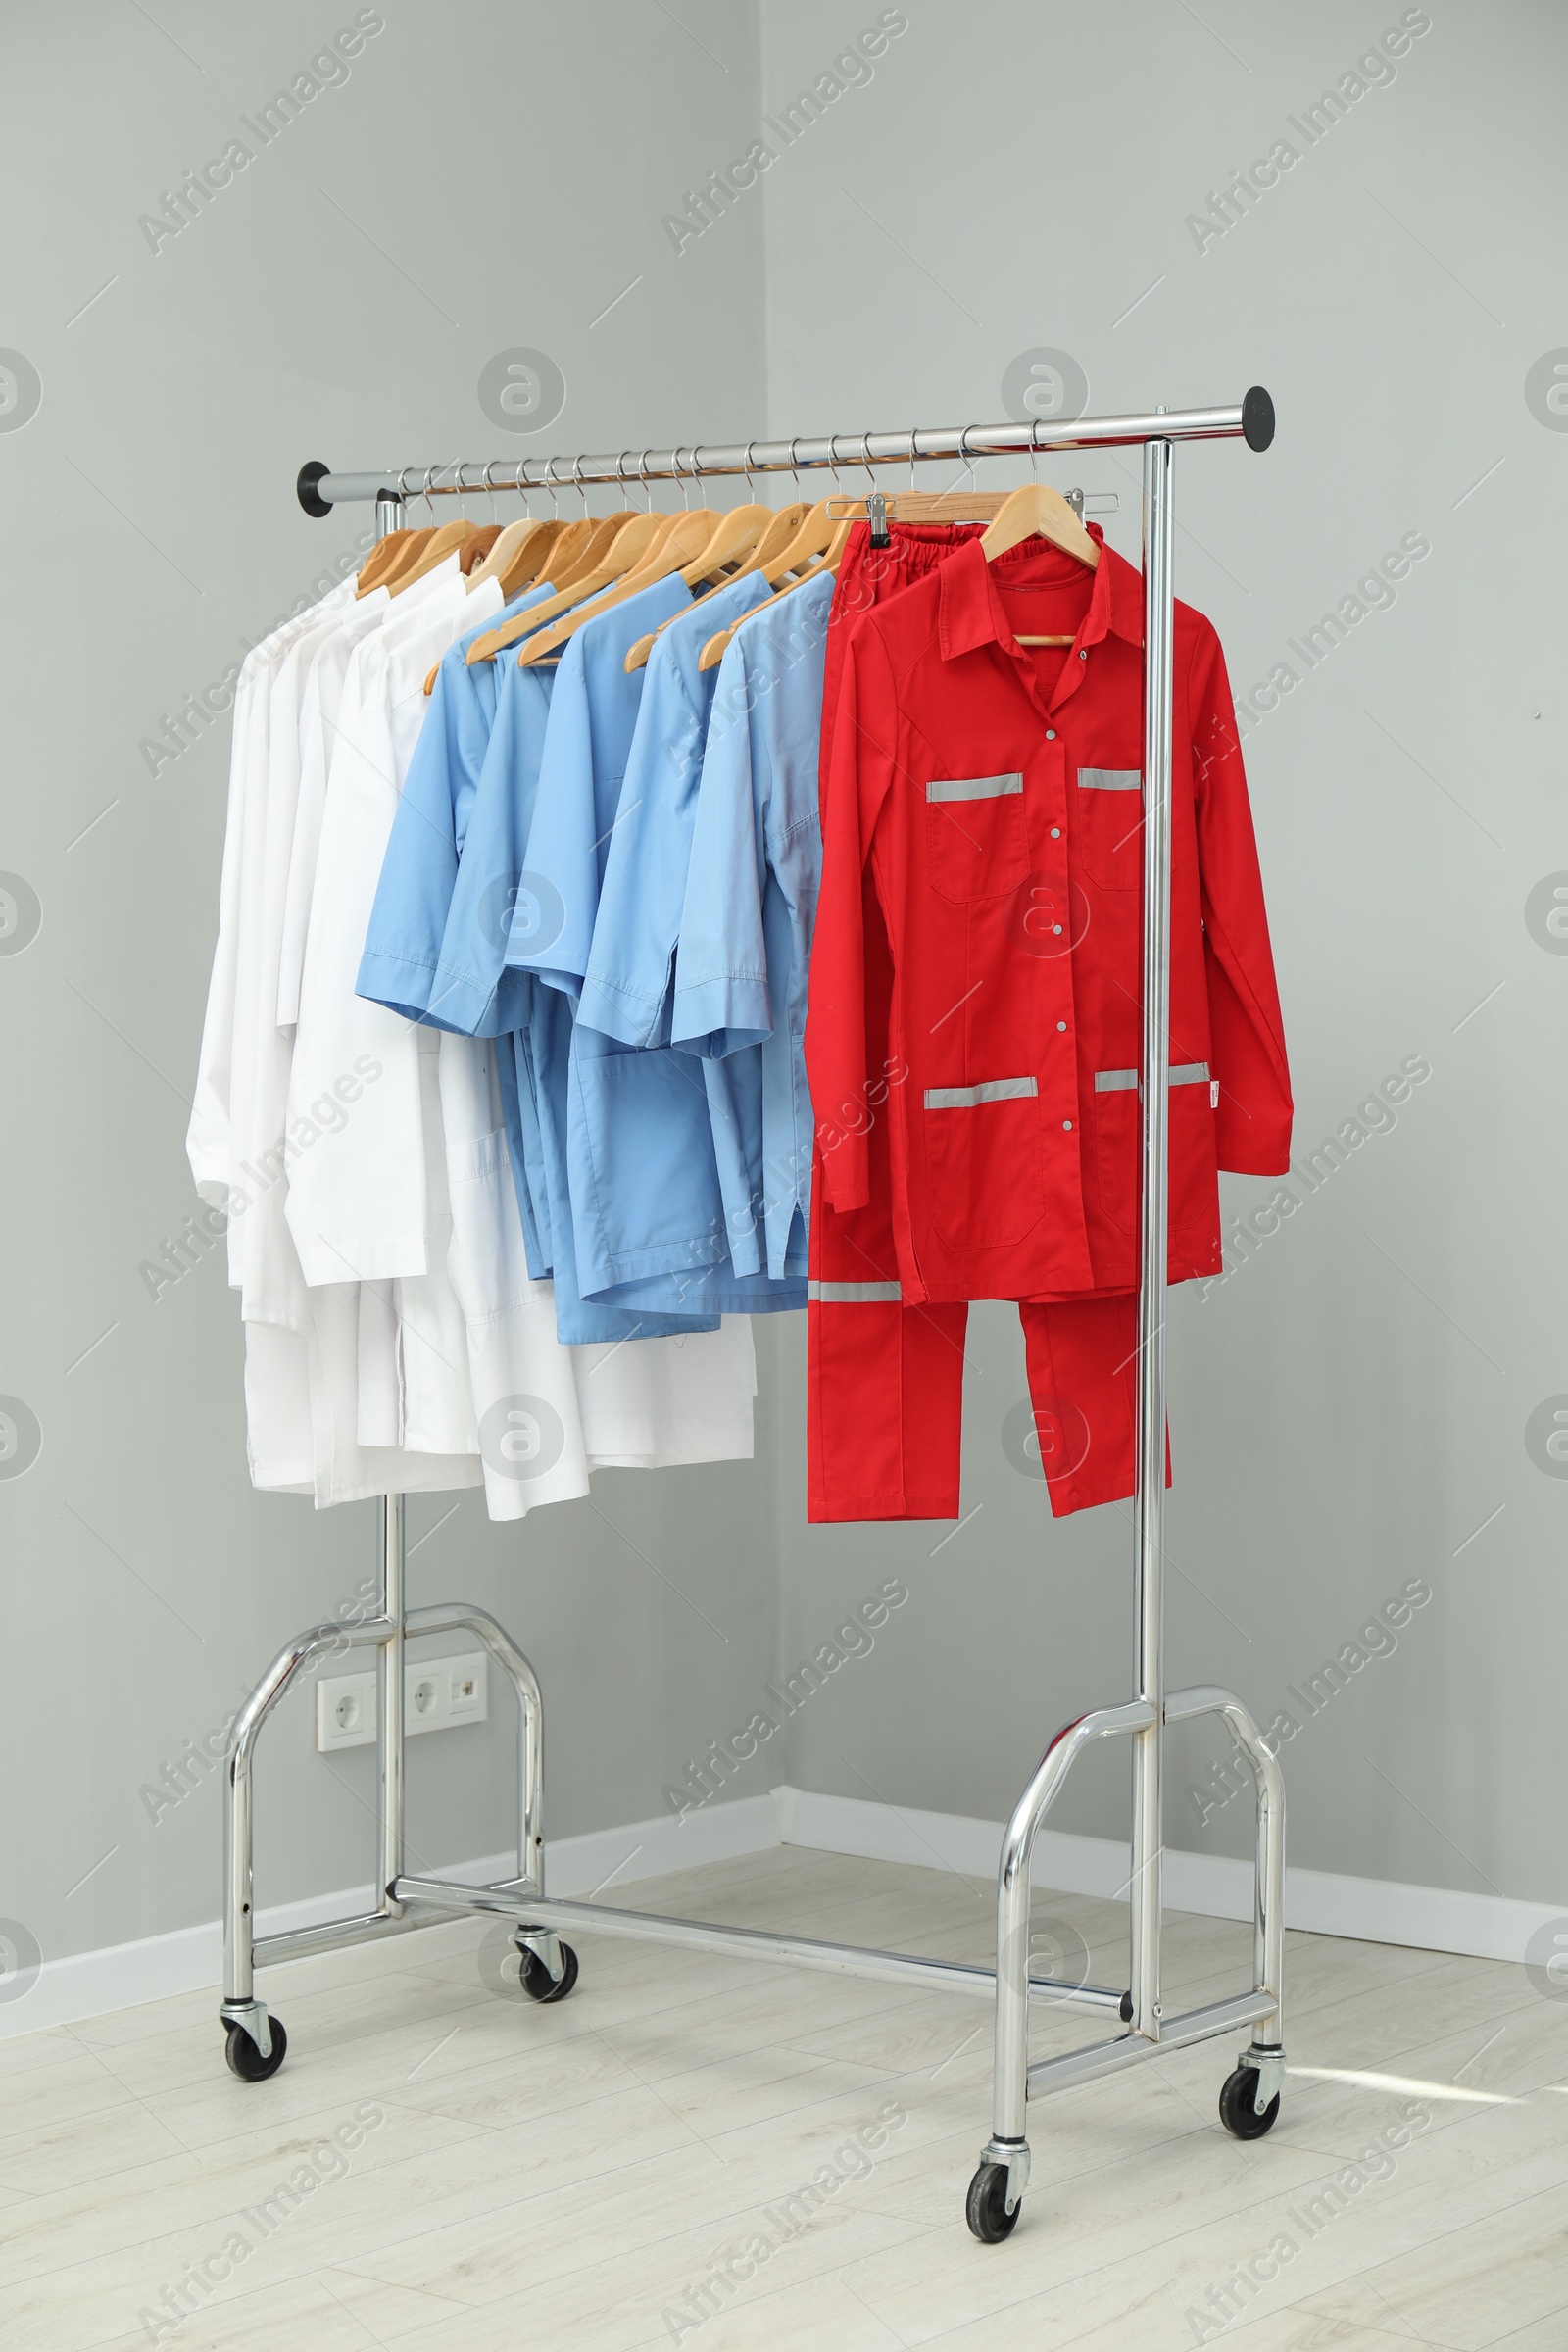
x: 713, y: 652
x: 380, y: 557
x: 520, y: 549
x: 927, y: 506
x: 610, y: 547
x: 385, y: 556
x: 737, y: 534
x: 780, y: 530
x: 1037, y: 511
x: 445, y: 542
x: 406, y: 560
x: 564, y: 553
x: 679, y: 539
x: 816, y: 533
x: 476, y: 548
x: 531, y: 544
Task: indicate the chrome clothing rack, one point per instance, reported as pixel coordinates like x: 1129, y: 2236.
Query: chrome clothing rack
x: 1251, y: 2097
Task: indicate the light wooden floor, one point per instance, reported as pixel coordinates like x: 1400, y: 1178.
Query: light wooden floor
x: 562, y: 2177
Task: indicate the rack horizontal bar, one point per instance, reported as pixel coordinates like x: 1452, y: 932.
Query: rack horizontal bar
x: 754, y: 1944
x: 1251, y: 419
x: 1128, y: 2050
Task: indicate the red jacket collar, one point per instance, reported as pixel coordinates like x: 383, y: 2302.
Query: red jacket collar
x: 970, y: 610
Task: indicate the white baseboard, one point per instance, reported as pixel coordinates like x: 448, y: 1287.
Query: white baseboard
x: 1435, y: 1919
x: 604, y: 1861
x: 122, y: 1975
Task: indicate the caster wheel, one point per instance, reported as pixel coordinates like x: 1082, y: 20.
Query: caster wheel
x: 986, y: 2209
x: 1236, y: 2111
x: 540, y: 1985
x: 246, y: 2060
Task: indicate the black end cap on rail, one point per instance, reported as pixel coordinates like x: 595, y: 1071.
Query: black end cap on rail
x: 310, y: 475
x: 1257, y: 418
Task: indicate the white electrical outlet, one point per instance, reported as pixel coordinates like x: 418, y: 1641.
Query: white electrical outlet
x: 438, y: 1694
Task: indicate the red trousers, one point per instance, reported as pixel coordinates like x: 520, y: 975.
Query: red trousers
x: 885, y: 1381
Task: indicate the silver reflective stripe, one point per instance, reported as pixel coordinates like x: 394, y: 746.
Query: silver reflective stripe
x: 855, y: 1293
x: 1110, y: 779
x: 975, y: 788
x: 1115, y: 1082
x: 993, y: 1090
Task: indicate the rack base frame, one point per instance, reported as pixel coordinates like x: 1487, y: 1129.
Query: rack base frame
x: 1251, y: 2097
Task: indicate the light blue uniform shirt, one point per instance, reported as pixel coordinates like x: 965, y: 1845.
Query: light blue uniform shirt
x: 646, y: 1201
x: 405, y: 964
x: 482, y: 995
x: 745, y: 926
x: 631, y: 963
x: 419, y: 870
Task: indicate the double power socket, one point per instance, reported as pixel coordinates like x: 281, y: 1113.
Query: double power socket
x: 438, y: 1694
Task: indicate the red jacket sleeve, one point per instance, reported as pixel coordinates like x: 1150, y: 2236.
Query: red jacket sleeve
x: 1246, y: 1035
x: 860, y: 771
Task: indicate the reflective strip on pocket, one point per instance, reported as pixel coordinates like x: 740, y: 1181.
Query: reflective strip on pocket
x: 975, y: 788
x: 855, y: 1293
x: 993, y: 1090
x: 1185, y: 1074
x: 1110, y: 779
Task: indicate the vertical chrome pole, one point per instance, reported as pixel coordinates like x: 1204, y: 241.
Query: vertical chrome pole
x: 1150, y: 1509
x: 389, y: 1658
x: 389, y: 1678
x: 389, y: 1703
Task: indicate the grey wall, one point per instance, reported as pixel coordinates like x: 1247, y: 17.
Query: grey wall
x: 1352, y: 1403
x: 487, y: 176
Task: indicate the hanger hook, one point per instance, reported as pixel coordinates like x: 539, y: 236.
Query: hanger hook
x: 968, y: 462
x: 576, y: 475
x: 429, y: 473
x: 460, y: 469
x: 914, y: 437
x: 751, y: 486
x: 549, y: 485
x: 495, y: 510
x: 865, y: 462
x: 833, y: 463
x: 1033, y: 449
x: 794, y: 473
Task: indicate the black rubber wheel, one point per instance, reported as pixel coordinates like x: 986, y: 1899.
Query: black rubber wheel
x: 246, y: 2060
x: 540, y: 1985
x: 1236, y: 2111
x: 985, y: 2207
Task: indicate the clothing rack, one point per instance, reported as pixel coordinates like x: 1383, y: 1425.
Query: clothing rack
x: 1250, y: 2099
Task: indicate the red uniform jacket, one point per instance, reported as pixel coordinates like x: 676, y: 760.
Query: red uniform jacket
x: 994, y: 793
